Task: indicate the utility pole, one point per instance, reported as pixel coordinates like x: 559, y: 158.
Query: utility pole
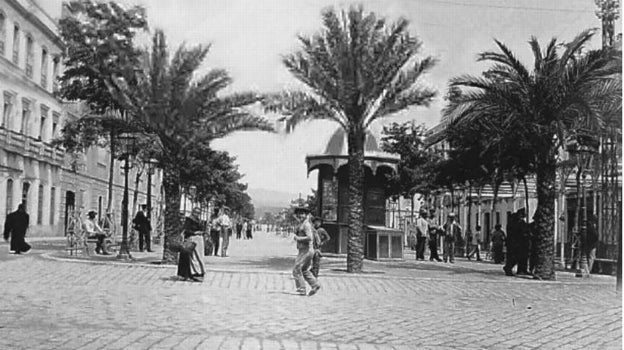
x: 611, y: 213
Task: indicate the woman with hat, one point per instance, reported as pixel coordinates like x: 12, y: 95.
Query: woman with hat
x: 304, y: 236
x: 191, y: 265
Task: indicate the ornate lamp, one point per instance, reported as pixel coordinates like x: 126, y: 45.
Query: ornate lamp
x: 127, y: 143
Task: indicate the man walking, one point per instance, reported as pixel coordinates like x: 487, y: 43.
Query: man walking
x: 498, y: 241
x: 304, y: 236
x: 15, y: 226
x: 239, y: 229
x: 452, y: 233
x: 517, y: 244
x: 225, y: 224
x: 143, y: 226
x: 422, y: 234
x: 476, y: 244
x: 320, y: 238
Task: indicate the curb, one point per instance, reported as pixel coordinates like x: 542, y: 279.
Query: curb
x: 368, y: 275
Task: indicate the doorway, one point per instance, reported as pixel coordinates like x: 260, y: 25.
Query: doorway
x: 70, y: 204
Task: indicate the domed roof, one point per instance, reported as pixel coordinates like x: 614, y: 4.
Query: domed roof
x: 337, y: 151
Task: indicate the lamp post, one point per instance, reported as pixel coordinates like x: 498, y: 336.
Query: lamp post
x: 127, y: 143
x: 151, y: 167
x: 584, y: 145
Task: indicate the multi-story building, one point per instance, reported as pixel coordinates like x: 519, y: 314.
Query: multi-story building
x: 48, y: 181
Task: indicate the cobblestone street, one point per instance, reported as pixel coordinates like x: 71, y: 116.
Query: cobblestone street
x: 247, y: 302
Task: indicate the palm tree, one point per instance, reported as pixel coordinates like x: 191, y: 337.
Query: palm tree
x: 182, y: 111
x: 543, y: 104
x: 358, y: 69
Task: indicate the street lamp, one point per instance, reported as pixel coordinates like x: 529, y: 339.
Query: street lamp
x: 151, y: 167
x: 127, y: 144
x: 584, y: 144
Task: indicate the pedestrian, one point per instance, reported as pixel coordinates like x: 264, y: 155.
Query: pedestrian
x: 517, y: 244
x: 142, y: 225
x: 215, y: 233
x: 191, y: 265
x: 590, y: 242
x: 433, y: 238
x: 15, y: 226
x: 452, y: 234
x: 239, y: 229
x: 468, y: 243
x: 476, y: 244
x: 93, y: 230
x: 249, y: 230
x: 304, y: 236
x: 320, y: 238
x: 225, y: 225
x: 498, y: 242
x: 422, y: 234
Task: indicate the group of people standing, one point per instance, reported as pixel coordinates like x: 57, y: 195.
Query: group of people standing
x: 427, y: 233
x: 244, y: 226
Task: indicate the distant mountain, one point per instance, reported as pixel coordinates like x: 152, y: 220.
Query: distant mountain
x: 270, y: 199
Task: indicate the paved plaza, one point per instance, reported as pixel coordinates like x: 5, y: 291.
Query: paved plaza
x: 51, y: 301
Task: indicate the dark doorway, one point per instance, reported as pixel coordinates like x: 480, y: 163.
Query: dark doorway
x: 70, y: 203
x: 487, y: 227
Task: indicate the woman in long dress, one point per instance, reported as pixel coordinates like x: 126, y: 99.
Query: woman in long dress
x: 191, y: 266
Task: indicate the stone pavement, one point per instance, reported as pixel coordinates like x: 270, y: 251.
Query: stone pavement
x: 247, y: 302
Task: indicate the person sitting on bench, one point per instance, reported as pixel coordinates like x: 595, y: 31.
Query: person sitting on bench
x: 94, y: 230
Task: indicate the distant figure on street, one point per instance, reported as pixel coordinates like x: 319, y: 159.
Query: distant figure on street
x: 215, y: 233
x: 249, y: 230
x: 15, y: 226
x: 144, y: 227
x: 498, y: 242
x: 225, y: 225
x: 433, y: 238
x: 422, y: 234
x: 191, y: 265
x: 452, y: 234
x: 320, y: 238
x: 94, y: 230
x: 476, y: 244
x: 239, y: 229
x: 304, y: 236
x: 591, y: 241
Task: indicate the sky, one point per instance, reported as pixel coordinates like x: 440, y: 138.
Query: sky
x: 249, y: 37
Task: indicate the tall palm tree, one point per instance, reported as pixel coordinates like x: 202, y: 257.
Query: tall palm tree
x: 358, y: 69
x: 182, y: 111
x: 543, y: 104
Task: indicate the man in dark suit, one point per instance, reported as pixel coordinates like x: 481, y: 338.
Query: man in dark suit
x: 15, y: 226
x: 142, y: 224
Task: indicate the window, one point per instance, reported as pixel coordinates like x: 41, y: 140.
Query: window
x: 40, y: 206
x: 16, y: 37
x: 55, y: 120
x: 44, y: 68
x: 25, y: 189
x: 29, y: 56
x: 55, y: 72
x: 9, y: 196
x: 52, y: 202
x: 7, y: 109
x: 2, y: 32
x: 42, y: 125
x: 25, y: 116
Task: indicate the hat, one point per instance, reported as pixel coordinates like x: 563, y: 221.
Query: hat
x: 451, y: 215
x: 302, y: 209
x: 91, y: 213
x: 423, y: 212
x: 521, y: 212
x: 225, y: 208
x: 317, y: 218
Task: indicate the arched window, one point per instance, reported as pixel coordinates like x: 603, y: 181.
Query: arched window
x: 44, y: 68
x: 30, y: 55
x: 9, y: 196
x: 25, y: 189
x: 40, y: 205
x: 52, y: 203
x: 16, y: 42
x: 2, y: 32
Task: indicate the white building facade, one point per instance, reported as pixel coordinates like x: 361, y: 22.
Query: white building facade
x: 51, y: 183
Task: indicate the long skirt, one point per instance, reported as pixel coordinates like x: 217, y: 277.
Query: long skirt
x: 192, y: 265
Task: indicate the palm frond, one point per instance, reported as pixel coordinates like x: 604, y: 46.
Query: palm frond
x: 299, y: 107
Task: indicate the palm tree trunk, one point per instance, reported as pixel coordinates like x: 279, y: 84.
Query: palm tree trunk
x: 546, y: 176
x: 355, y: 245
x: 171, y: 184
x: 526, y: 196
x: 469, y: 202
